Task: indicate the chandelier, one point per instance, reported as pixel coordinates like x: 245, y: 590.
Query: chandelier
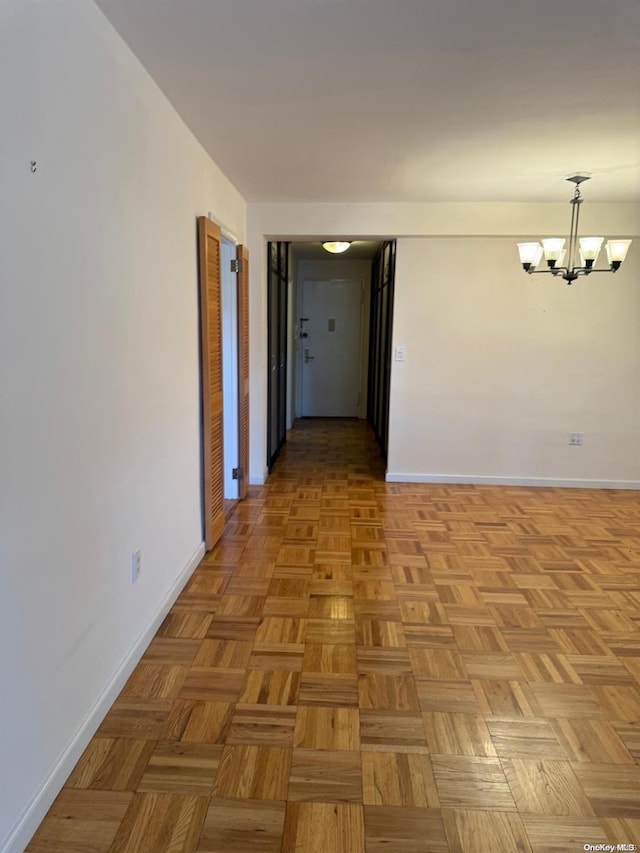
x: 586, y: 249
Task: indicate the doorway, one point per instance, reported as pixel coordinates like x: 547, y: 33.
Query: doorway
x: 223, y: 269
x: 230, y: 368
x: 334, y: 355
x: 277, y: 345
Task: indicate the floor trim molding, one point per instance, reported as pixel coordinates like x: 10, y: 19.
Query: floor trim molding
x: 473, y: 480
x: 31, y: 818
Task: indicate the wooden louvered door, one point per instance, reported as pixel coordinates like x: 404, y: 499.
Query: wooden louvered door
x: 211, y: 333
x: 243, y: 370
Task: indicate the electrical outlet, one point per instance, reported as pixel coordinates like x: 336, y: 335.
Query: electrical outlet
x: 575, y: 438
x: 136, y: 562
x: 401, y: 353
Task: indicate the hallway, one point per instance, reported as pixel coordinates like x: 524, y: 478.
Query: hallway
x: 361, y: 666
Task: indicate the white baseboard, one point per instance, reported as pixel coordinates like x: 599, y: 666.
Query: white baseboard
x: 22, y: 832
x: 473, y: 480
x: 260, y: 480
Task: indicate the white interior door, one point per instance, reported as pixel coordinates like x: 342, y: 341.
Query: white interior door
x: 330, y: 345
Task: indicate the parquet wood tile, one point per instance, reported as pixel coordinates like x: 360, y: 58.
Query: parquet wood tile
x: 171, y: 651
x: 334, y: 586
x: 621, y: 828
x: 166, y: 823
x: 262, y: 725
x: 392, y: 731
x: 325, y: 658
x: 604, y: 669
x: 458, y: 734
x: 323, y: 828
x: 331, y: 607
x: 155, y: 681
x: 591, y: 740
x: 478, y: 832
x: 213, y: 685
x: 548, y: 667
x: 629, y: 734
x: 253, y: 772
x: 276, y: 629
x: 437, y: 663
x: 330, y: 689
x: 277, y: 656
x: 619, y: 701
x: 81, y: 821
x: 242, y: 629
x: 382, y: 691
x: 325, y: 776
x: 471, y: 782
x: 488, y: 665
x: 181, y: 768
x: 366, y: 608
x: 557, y: 834
x: 398, y: 779
x: 389, y: 661
x: 112, y: 764
x: 186, y: 625
x: 380, y: 633
x: 566, y: 700
x: 140, y: 719
x: 331, y: 631
x: 502, y: 698
x: 526, y: 738
x: 275, y: 687
x: 242, y: 826
x: 327, y: 728
x: 612, y: 789
x: 197, y: 721
x: 370, y: 666
x: 546, y: 786
x: 392, y: 830
x: 222, y: 654
x: 436, y: 694
x: 479, y: 638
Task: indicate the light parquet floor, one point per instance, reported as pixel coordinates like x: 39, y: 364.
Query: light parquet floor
x: 361, y: 666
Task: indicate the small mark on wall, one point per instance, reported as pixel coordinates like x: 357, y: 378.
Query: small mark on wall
x: 332, y: 325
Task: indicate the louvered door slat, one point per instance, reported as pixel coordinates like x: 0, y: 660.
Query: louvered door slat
x: 243, y: 367
x: 211, y: 325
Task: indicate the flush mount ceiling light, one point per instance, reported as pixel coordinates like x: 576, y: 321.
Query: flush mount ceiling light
x: 586, y: 248
x: 336, y: 247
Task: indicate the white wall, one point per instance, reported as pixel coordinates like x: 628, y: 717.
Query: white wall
x: 341, y: 267
x: 99, y: 383
x: 455, y: 221
x: 501, y: 366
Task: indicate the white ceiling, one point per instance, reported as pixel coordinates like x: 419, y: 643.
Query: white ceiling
x: 401, y: 100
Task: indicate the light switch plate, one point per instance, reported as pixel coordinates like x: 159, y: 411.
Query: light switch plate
x: 401, y: 353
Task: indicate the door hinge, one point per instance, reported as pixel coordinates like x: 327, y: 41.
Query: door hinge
x: 236, y: 265
x: 237, y: 474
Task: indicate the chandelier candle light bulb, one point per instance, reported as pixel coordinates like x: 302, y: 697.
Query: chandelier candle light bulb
x: 587, y: 248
